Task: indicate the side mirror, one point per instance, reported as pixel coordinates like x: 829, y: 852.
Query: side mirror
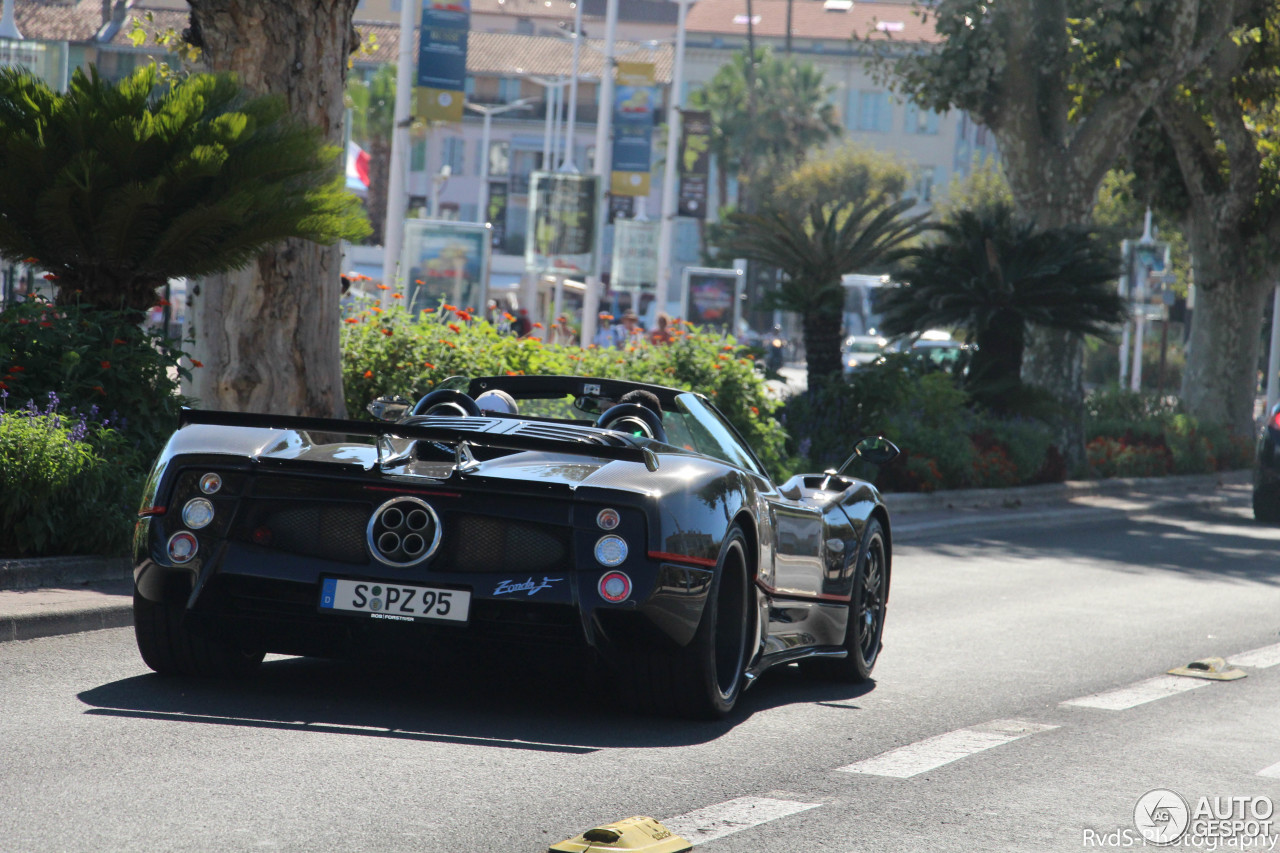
x: 876, y: 449
x: 389, y: 408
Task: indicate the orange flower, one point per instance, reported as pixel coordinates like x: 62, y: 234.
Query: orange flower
x: 448, y: 343
x: 368, y: 374
x: 462, y: 315
x: 723, y: 356
x: 717, y: 366
x: 470, y: 310
x: 377, y: 310
x: 455, y: 327
x: 386, y: 332
x: 428, y: 365
x: 100, y: 390
x: 16, y: 369
x: 5, y: 387
x: 164, y: 303
x: 511, y: 373
x: 418, y: 281
x: 32, y: 261
x: 353, y: 320
x: 728, y: 348
x: 106, y: 365
x: 195, y: 363
x: 755, y: 412
x: 397, y: 296
x: 383, y: 286
x: 537, y: 325
x: 428, y: 310
x: 449, y: 307
x: 50, y: 277
x: 508, y: 316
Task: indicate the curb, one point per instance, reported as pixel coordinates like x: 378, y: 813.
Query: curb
x: 45, y: 572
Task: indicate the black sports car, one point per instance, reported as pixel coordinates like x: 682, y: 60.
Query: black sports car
x: 1266, y: 476
x: 624, y: 518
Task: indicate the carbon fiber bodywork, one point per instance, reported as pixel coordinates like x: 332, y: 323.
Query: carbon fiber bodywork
x: 518, y: 512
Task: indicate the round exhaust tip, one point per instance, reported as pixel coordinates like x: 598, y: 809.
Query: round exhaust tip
x: 413, y: 545
x: 392, y: 518
x: 403, y: 532
x: 416, y: 520
x: 388, y: 543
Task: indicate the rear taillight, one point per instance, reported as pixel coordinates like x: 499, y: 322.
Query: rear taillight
x: 1275, y: 420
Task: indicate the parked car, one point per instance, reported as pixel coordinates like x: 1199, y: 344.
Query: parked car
x: 859, y: 350
x: 512, y: 511
x: 939, y: 347
x: 1266, y: 474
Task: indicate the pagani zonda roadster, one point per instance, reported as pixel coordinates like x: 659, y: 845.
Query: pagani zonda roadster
x: 626, y: 518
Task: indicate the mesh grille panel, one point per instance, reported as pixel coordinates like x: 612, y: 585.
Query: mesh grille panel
x: 475, y: 543
x: 335, y: 531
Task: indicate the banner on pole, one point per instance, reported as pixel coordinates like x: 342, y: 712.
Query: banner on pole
x: 635, y: 256
x: 562, y: 223
x: 633, y: 100
x: 621, y: 207
x: 445, y: 260
x: 496, y: 214
x: 442, y: 59
x: 695, y: 164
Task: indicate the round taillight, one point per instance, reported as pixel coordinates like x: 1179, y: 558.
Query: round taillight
x: 611, y: 550
x: 182, y: 546
x: 615, y: 587
x: 210, y: 483
x: 608, y: 519
x: 197, y: 513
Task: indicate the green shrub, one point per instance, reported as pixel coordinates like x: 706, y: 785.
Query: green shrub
x: 93, y: 358
x: 389, y: 351
x: 1113, y: 457
x: 66, y: 486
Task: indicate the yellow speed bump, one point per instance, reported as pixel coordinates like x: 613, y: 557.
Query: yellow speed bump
x: 633, y: 834
x: 1214, y: 669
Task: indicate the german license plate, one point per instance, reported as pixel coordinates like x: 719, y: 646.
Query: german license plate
x: 395, y: 602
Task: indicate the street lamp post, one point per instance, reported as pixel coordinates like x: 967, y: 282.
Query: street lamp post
x: 603, y: 166
x: 667, y: 222
x: 482, y: 195
x: 397, y: 189
x: 567, y: 164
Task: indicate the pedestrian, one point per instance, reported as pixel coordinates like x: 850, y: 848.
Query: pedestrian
x: 605, y: 335
x: 660, y: 335
x: 562, y: 333
x: 523, y: 325
x: 630, y: 327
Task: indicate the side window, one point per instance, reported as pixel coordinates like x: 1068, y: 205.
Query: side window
x: 712, y: 436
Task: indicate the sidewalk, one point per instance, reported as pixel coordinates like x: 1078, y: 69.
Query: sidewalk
x: 64, y: 595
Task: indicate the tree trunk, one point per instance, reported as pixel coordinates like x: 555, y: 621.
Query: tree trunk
x: 1220, y: 381
x: 267, y: 336
x: 995, y: 369
x: 822, y: 345
x: 379, y: 180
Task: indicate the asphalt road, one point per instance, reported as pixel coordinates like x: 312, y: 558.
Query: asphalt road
x: 962, y: 743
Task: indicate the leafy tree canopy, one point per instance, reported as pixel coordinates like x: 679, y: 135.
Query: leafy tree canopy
x: 116, y: 188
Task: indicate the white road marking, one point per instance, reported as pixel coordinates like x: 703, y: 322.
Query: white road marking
x: 1258, y: 658
x: 1273, y: 771
x: 706, y: 824
x: 1138, y: 694
x: 931, y: 753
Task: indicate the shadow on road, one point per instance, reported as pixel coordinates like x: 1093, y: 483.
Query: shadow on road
x: 1210, y: 540
x: 538, y: 705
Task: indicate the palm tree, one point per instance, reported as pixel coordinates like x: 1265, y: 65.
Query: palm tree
x: 116, y: 188
x: 996, y: 277
x: 792, y: 114
x: 844, y: 213
x: 373, y: 108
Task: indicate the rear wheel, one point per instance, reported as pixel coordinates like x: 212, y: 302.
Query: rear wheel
x: 1266, y: 507
x: 702, y: 680
x: 864, y: 633
x: 172, y: 644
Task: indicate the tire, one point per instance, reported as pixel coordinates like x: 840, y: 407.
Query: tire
x: 864, y: 632
x: 171, y: 645
x: 701, y: 681
x: 1266, y: 507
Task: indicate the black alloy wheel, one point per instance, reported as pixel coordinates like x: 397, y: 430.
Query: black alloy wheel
x: 864, y: 632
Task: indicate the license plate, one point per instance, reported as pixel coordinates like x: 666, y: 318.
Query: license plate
x: 395, y: 602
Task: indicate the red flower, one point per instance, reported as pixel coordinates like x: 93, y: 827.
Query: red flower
x: 16, y: 369
x: 119, y: 341
x: 46, y: 324
x: 32, y: 261
x: 428, y: 365
x: 386, y: 332
x: 449, y: 307
x: 462, y: 315
x: 428, y: 310
x: 50, y: 277
x: 99, y: 389
x: 511, y: 373
x: 5, y: 387
x: 22, y: 321
x: 195, y: 363
x: 755, y: 412
x: 106, y: 365
x: 163, y: 303
x: 353, y: 320
x: 368, y: 374
x: 455, y: 327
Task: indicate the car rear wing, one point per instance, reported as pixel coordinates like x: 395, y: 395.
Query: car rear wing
x: 580, y: 446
